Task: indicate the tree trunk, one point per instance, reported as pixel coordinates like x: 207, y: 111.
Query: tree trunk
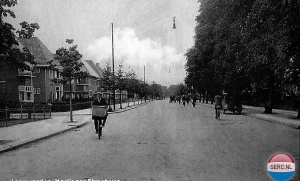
x: 71, y: 115
x: 269, y: 103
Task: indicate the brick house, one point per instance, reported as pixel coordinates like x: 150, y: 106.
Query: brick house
x: 33, y: 86
x: 84, y: 88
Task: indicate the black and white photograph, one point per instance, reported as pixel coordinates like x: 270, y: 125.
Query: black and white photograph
x: 150, y: 90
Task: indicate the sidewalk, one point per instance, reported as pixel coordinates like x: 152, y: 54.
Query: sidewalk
x: 16, y: 136
x: 284, y: 117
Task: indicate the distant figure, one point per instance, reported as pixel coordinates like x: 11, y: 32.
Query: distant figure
x: 187, y: 99
x: 194, y: 100
x: 174, y: 26
x: 183, y: 100
x: 218, y: 104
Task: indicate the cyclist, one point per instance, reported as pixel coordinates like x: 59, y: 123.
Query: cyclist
x: 99, y: 101
x: 218, y: 104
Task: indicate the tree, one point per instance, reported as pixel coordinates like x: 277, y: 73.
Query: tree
x: 27, y: 29
x: 273, y: 40
x: 120, y: 82
x: 155, y: 90
x: 131, y: 83
x: 245, y: 45
x: 10, y: 53
x: 69, y: 60
x: 108, y: 81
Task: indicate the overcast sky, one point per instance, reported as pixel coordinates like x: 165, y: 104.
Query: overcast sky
x: 143, y: 32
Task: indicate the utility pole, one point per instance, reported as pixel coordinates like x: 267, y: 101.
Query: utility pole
x: 145, y: 83
x: 113, y: 63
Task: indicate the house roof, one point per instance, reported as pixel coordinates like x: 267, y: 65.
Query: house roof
x: 40, y: 52
x: 95, y: 67
x: 89, y: 66
x: 99, y: 69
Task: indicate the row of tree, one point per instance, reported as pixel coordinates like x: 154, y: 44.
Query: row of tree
x: 248, y: 46
x: 68, y: 61
x: 127, y: 80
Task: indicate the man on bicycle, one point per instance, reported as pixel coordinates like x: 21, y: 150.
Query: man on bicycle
x: 99, y: 101
x: 218, y: 104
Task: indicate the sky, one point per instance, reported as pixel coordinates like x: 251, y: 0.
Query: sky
x: 143, y: 32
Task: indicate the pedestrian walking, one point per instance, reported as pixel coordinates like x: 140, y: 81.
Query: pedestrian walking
x: 187, y: 99
x: 183, y: 100
x: 194, y: 100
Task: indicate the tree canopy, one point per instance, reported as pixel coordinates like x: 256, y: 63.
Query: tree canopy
x: 10, y: 52
x: 246, y: 45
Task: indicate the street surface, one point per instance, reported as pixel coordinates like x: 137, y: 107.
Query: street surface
x: 160, y: 141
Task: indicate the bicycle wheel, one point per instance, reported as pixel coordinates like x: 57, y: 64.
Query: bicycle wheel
x: 99, y: 130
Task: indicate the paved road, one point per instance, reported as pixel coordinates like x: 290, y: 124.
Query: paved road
x: 159, y: 141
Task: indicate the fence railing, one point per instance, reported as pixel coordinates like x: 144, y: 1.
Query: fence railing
x: 13, y: 116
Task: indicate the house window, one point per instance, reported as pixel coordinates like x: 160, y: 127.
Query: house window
x: 26, y: 93
x: 91, y: 93
x: 38, y: 91
x: 21, y: 96
x: 55, y: 74
x: 37, y: 70
x: 57, y: 92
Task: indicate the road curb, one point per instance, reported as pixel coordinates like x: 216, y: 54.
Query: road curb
x: 18, y: 144
x: 296, y: 126
x: 128, y: 109
x: 21, y: 143
x: 273, y: 121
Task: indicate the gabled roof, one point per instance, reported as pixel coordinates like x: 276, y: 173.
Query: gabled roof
x: 95, y: 67
x: 40, y: 52
x: 89, y: 66
x: 99, y: 69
